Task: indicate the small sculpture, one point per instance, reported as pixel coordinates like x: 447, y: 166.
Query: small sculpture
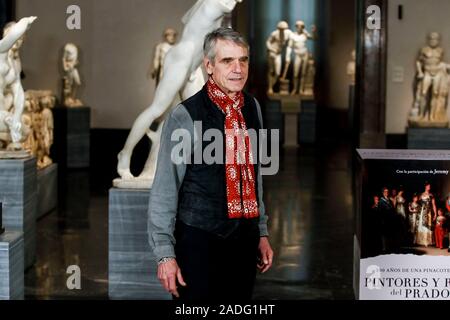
x: 432, y: 86
x: 12, y: 96
x: 351, y: 68
x: 170, y: 37
x: 275, y: 45
x: 71, y: 79
x: 303, y: 60
x: 38, y: 118
x: 182, y: 73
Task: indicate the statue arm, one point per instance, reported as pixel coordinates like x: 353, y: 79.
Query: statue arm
x: 157, y: 58
x: 289, y: 50
x: 76, y: 77
x: 269, y: 44
x: 419, y: 68
x: 15, y: 33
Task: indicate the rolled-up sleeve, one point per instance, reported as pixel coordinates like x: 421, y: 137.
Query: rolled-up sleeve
x: 163, y: 203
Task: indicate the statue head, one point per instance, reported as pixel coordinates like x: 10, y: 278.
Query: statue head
x: 19, y: 42
x: 434, y: 39
x: 300, y: 25
x: 170, y: 35
x: 354, y: 55
x: 282, y: 25
x: 70, y: 53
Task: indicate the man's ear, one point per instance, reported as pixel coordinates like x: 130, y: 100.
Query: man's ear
x: 208, y: 65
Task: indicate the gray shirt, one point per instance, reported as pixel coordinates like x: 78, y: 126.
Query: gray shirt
x: 163, y: 204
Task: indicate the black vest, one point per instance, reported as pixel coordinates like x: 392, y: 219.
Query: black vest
x: 202, y: 200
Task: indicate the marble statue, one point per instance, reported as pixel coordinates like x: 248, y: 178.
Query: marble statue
x: 38, y: 118
x: 432, y: 86
x: 170, y: 37
x: 182, y: 72
x: 71, y: 78
x: 275, y: 44
x: 12, y: 96
x: 302, y: 61
x: 351, y: 68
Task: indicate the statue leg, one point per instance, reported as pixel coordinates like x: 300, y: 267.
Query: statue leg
x: 15, y: 126
x: 277, y: 67
x: 426, y: 83
x: 271, y: 75
x: 165, y: 93
x: 297, y: 63
x: 305, y: 59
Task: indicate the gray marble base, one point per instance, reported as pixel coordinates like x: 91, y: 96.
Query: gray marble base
x: 11, y: 266
x: 132, y: 266
x: 72, y: 136
x: 429, y: 138
x: 47, y: 184
x: 18, y: 193
x: 307, y: 122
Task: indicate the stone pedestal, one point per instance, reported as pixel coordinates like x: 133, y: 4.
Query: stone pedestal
x: 11, y: 266
x: 132, y: 265
x: 429, y: 138
x: 71, y: 148
x: 47, y: 189
x: 290, y: 107
x: 307, y: 122
x: 273, y: 117
x: 18, y: 193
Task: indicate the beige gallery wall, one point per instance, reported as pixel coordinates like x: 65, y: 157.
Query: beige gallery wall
x: 116, y: 42
x: 405, y: 38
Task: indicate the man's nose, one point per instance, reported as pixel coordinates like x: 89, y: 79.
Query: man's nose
x: 237, y: 67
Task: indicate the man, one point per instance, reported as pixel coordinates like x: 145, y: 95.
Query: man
x: 207, y: 223
x: 386, y: 209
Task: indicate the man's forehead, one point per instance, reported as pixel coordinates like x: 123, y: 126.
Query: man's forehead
x: 227, y: 48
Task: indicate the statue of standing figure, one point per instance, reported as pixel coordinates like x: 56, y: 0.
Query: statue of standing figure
x: 351, y: 68
x: 156, y: 69
x: 275, y: 45
x: 12, y: 95
x: 302, y: 61
x: 182, y: 73
x: 71, y: 78
x: 432, y: 86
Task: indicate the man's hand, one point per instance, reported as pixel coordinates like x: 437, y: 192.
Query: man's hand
x: 266, y: 255
x: 168, y: 274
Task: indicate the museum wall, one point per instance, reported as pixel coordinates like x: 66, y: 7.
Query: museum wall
x: 405, y: 38
x: 116, y: 44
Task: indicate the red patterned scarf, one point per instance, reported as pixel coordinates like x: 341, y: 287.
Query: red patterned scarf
x: 239, y: 171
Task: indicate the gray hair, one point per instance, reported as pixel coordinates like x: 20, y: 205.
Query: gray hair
x: 227, y: 34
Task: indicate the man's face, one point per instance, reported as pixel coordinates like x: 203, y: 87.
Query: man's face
x: 385, y: 193
x: 230, y: 67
